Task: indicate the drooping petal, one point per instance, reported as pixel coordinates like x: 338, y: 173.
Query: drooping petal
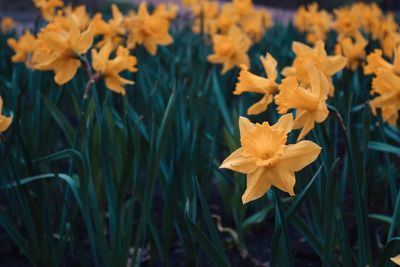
x: 5, y: 122
x: 334, y: 65
x: 257, y: 185
x: 261, y: 105
x: 284, y: 124
x: 84, y: 41
x: 236, y: 162
x: 66, y: 71
x: 282, y: 178
x: 298, y: 156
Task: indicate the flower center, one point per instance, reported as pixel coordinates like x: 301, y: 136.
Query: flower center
x: 264, y: 145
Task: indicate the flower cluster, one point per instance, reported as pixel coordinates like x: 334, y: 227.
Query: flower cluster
x: 63, y: 45
x: 233, y: 28
x: 352, y: 24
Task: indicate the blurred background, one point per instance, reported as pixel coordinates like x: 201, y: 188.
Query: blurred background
x: 25, y: 5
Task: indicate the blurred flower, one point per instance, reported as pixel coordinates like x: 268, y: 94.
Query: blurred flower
x: 48, y: 7
x: 309, y: 102
x: 369, y: 16
x: 148, y: 30
x: 346, y: 23
x: 59, y: 50
x: 253, y: 25
x: 329, y: 65
x: 5, y: 122
x: 243, y: 7
x: 77, y: 15
x: 23, y: 48
x: 386, y: 86
x: 205, y: 13
x: 227, y: 18
x: 249, y: 82
x: 266, y: 158
x: 375, y: 63
x: 168, y: 12
x: 315, y: 23
x: 109, y: 69
x: 7, y: 24
x: 353, y: 50
x: 390, y: 43
x: 113, y: 30
x: 231, y: 49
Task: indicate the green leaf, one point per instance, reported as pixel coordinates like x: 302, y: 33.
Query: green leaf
x: 378, y: 146
x: 213, y: 253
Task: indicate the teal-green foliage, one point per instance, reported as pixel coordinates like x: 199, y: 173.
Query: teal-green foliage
x: 116, y: 178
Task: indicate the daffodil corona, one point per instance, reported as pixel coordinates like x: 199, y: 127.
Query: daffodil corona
x: 267, y: 159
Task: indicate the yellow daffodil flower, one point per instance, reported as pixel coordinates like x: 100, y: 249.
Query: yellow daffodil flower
x: 58, y: 50
x: 7, y: 24
x: 167, y: 11
x: 231, y: 49
x: 226, y: 19
x: 309, y: 102
x: 243, y: 7
x: 48, y: 7
x: 77, y: 15
x: 390, y: 43
x: 253, y: 25
x: 329, y: 65
x: 345, y: 22
x: 113, y: 30
x: 23, y: 48
x: 315, y: 23
x: 369, y: 16
x: 249, y: 82
x: 353, y: 50
x: 109, y: 69
x: 375, y: 63
x: 266, y: 159
x: 205, y: 13
x: 5, y: 122
x: 386, y: 86
x: 148, y: 30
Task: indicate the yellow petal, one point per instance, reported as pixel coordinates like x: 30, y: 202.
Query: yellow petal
x: 301, y: 49
x: 257, y: 185
x: 66, y: 71
x: 84, y: 41
x: 269, y: 64
x: 335, y: 64
x: 244, y: 125
x: 396, y: 259
x: 236, y: 162
x: 5, y: 122
x: 285, y: 123
x: 260, y: 106
x: 298, y: 156
x: 115, y: 84
x: 282, y: 178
